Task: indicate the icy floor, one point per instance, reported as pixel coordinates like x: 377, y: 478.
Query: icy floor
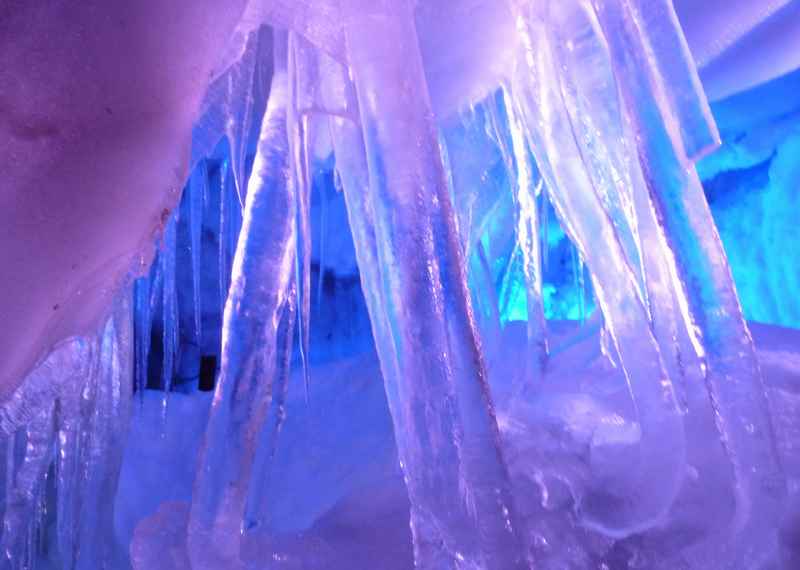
x: 339, y: 496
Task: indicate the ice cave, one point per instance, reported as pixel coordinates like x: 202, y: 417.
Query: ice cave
x: 396, y: 284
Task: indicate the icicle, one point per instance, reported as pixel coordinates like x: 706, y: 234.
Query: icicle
x: 244, y: 104
x: 665, y: 295
x: 198, y: 189
x: 233, y: 227
x: 590, y: 99
x: 230, y: 220
x: 544, y: 216
x: 226, y: 223
x: 169, y: 310
x: 323, y: 228
x: 538, y: 90
x: 615, y: 159
x: 144, y: 326
x: 353, y: 176
x: 580, y: 273
x: 19, y: 521
x: 482, y: 204
x: 432, y: 363
x: 70, y: 439
x: 733, y: 374
x: 526, y: 191
x: 670, y: 58
x: 253, y: 348
x: 302, y: 82
x: 72, y: 409
x: 104, y: 425
x: 259, y: 507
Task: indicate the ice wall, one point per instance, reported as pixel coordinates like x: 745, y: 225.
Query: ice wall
x: 751, y: 186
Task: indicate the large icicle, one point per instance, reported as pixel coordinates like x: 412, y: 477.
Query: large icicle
x: 527, y: 186
x: 258, y: 514
x: 431, y: 358
x: 607, y: 145
x: 252, y: 357
x: 733, y: 374
x: 539, y: 89
x: 303, y: 81
x: 243, y: 104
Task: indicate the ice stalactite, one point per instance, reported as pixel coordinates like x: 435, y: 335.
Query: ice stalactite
x: 527, y: 186
x: 229, y: 226
x: 606, y: 145
x: 198, y: 192
x: 481, y: 200
x: 323, y: 230
x: 170, y: 331
x: 445, y: 428
x: 732, y: 374
x: 26, y: 479
x: 302, y: 125
x: 257, y: 332
x: 143, y: 326
x: 258, y: 519
x: 577, y: 187
x: 91, y: 442
x: 245, y: 91
x: 225, y: 221
x: 233, y: 107
x: 64, y: 438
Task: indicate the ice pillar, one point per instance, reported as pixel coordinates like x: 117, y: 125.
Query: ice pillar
x: 446, y: 432
x: 673, y: 128
x: 253, y: 346
x: 572, y: 156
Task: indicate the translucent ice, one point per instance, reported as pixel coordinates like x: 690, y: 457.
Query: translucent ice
x: 454, y: 130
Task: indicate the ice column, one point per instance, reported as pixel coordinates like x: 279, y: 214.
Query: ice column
x: 431, y: 358
x: 588, y: 203
x: 253, y: 345
x: 527, y: 185
x: 659, y: 117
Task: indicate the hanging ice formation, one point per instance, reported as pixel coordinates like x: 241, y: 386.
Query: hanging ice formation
x: 63, y: 435
x: 600, y: 119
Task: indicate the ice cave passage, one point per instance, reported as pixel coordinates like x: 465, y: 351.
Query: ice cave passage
x: 395, y: 284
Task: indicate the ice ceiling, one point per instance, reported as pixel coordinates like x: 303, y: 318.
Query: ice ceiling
x: 467, y: 144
